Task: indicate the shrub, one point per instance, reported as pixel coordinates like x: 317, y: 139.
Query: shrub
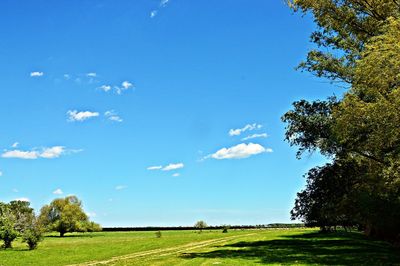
x: 225, y: 228
x: 7, y: 231
x: 32, y: 237
x: 158, y: 234
x: 8, y: 234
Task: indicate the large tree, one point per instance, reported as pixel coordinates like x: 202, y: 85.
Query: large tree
x: 66, y: 215
x: 357, y: 44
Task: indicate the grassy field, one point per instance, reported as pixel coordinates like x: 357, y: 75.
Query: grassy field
x: 248, y: 247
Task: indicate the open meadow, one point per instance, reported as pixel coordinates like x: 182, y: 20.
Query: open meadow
x: 237, y: 247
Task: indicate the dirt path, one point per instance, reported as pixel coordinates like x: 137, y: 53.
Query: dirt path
x: 162, y: 251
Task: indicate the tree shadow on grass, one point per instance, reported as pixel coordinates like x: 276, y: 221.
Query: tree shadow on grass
x: 309, y: 248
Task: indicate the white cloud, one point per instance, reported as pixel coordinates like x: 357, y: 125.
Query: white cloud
x: 163, y: 3
x: 46, y: 153
x: 105, y: 88
x: 20, y: 154
x: 120, y: 187
x: 58, y: 191
x: 15, y: 144
x: 153, y: 13
x: 67, y: 76
x: 239, y: 151
x: 91, y: 75
x: 113, y: 116
x: 117, y: 89
x: 173, y: 166
x: 53, y: 152
x: 159, y: 167
x: 176, y: 174
x: 1, y: 173
x: 23, y: 199
x: 263, y: 135
x: 169, y: 167
x: 36, y: 74
x: 248, y: 127
x: 80, y: 116
x: 126, y: 85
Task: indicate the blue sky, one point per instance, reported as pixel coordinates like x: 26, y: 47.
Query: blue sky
x: 94, y: 94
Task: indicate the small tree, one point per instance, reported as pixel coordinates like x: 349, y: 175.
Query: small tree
x: 225, y: 228
x: 7, y: 231
x: 200, y: 225
x: 65, y: 215
x: 158, y: 234
x: 33, y: 234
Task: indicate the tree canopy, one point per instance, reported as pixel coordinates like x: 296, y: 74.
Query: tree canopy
x: 357, y: 43
x: 66, y: 215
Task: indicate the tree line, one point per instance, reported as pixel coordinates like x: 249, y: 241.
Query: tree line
x: 62, y: 215
x: 357, y: 47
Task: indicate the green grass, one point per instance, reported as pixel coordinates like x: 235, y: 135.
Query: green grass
x: 249, y: 247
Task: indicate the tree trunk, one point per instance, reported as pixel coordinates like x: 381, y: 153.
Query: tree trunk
x: 62, y: 234
x: 7, y: 244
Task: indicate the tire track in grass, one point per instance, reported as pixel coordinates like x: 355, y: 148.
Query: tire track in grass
x: 162, y: 251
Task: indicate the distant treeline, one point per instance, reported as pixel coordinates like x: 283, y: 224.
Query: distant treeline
x: 171, y: 228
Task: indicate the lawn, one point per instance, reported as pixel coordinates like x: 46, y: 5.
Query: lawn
x: 248, y: 247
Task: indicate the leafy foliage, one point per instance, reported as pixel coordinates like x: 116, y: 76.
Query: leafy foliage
x: 358, y: 43
x: 33, y: 235
x: 7, y: 230
x: 66, y: 215
x: 200, y: 225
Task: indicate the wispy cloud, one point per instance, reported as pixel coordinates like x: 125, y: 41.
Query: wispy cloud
x: 58, y: 191
x: 1, y: 173
x: 15, y: 145
x: 21, y: 154
x: 239, y: 151
x: 176, y: 174
x: 91, y: 74
x: 173, y: 166
x: 74, y: 115
x: 254, y: 136
x: 248, y: 127
x: 113, y: 116
x: 45, y: 153
x: 151, y: 168
x: 118, y: 89
x: 126, y: 85
x: 53, y: 152
x: 120, y: 187
x: 36, y: 74
x: 153, y: 13
x: 105, y: 88
x: 169, y: 167
x: 162, y: 4
x: 67, y: 76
